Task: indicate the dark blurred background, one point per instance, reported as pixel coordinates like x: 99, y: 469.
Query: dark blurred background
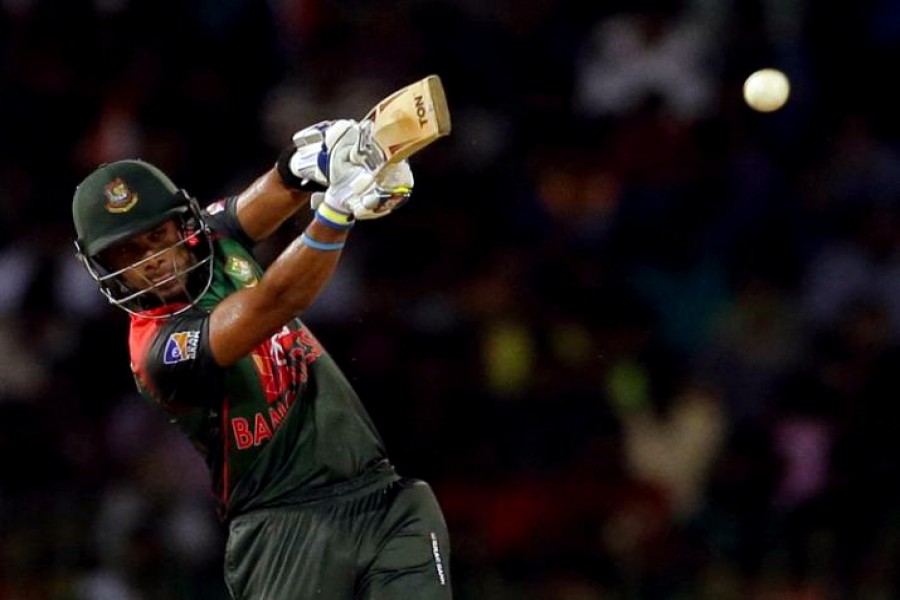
x: 642, y: 340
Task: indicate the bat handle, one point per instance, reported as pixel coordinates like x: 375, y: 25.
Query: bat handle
x: 367, y: 153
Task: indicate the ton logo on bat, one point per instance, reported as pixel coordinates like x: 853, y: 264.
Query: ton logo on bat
x: 420, y: 110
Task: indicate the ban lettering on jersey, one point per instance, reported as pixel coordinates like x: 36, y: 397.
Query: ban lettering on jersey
x: 281, y: 363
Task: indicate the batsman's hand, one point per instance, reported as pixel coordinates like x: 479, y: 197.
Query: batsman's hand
x: 347, y: 180
x: 366, y: 198
x: 320, y: 153
x: 392, y: 189
x: 299, y: 164
x: 393, y: 183
x: 356, y: 186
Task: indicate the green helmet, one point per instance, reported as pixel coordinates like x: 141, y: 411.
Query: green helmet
x: 120, y: 200
x: 124, y: 199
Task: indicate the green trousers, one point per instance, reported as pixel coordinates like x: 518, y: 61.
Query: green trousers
x: 387, y: 544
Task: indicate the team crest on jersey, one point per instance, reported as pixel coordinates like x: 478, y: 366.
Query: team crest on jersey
x: 240, y: 269
x: 181, y: 346
x: 119, y: 197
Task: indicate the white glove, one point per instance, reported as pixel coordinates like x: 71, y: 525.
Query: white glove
x: 312, y: 161
x: 393, y: 183
x: 364, y: 197
x: 345, y: 164
x: 347, y: 180
x: 392, y: 189
x: 299, y: 165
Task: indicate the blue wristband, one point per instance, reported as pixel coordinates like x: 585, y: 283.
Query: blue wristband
x: 308, y: 241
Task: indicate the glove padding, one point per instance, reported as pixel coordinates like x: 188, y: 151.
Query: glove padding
x: 298, y: 164
x: 393, y: 188
x: 347, y: 180
x: 311, y: 162
x: 365, y: 197
x: 393, y: 183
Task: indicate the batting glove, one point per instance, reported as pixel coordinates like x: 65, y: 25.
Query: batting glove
x: 392, y: 189
x: 361, y: 197
x: 307, y: 163
x: 347, y: 180
x: 298, y: 165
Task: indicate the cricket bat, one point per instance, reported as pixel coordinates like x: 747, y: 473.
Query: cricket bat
x: 406, y: 121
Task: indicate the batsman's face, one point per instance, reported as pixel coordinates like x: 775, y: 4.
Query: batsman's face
x: 154, y: 260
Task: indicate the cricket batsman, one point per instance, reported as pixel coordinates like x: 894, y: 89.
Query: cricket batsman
x: 314, y: 508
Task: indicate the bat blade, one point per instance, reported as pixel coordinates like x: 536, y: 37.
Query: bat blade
x: 410, y: 119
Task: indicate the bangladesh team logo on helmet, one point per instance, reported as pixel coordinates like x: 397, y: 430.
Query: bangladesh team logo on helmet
x: 127, y: 198
x: 119, y: 198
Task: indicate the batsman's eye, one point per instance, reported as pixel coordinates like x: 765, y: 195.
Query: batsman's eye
x: 122, y: 255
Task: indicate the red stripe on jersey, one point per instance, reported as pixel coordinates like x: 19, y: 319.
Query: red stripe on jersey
x: 140, y: 337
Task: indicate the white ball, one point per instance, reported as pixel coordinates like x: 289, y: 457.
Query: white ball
x: 766, y: 90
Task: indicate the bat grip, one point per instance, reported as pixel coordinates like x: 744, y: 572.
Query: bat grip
x: 367, y: 152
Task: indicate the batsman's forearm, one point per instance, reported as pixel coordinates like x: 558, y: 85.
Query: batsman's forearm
x: 300, y: 272
x: 290, y: 285
x: 266, y: 204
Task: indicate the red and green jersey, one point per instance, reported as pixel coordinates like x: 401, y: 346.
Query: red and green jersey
x: 282, y: 425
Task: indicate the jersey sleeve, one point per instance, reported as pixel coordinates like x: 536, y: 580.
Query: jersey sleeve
x: 223, y: 220
x: 176, y: 367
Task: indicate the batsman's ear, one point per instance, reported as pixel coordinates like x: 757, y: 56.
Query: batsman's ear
x: 94, y: 266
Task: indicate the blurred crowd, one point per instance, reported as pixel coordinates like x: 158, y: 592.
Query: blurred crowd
x: 642, y: 340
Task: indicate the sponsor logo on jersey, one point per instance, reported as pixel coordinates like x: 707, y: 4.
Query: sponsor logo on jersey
x: 240, y: 269
x: 181, y: 346
x: 119, y: 197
